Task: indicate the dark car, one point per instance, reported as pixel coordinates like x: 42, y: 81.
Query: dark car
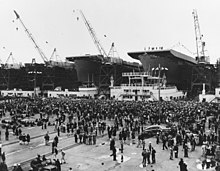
x: 152, y: 130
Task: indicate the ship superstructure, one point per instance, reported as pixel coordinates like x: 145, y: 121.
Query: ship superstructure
x: 141, y: 86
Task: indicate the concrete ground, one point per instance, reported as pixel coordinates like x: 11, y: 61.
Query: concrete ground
x: 97, y: 157
x: 93, y: 157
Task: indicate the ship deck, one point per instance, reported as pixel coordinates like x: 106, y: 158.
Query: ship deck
x: 163, y: 53
x: 85, y: 57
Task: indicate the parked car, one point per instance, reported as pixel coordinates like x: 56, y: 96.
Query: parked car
x: 152, y: 130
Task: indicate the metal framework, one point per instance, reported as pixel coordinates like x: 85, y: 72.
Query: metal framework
x: 47, y: 83
x: 93, y: 35
x: 200, y: 44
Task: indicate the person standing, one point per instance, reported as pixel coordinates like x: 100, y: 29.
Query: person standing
x: 133, y: 137
x: 76, y: 137
x: 3, y: 157
x: 28, y: 138
x: 58, y: 131
x: 150, y: 147
x: 53, y: 146
x: 112, y: 144
x: 56, y: 140
x: 58, y: 165
x: 6, y: 134
x: 55, y: 152
x: 94, y: 138
x: 153, y: 155
x: 157, y: 138
x: 217, y: 167
x: 139, y: 141
x: 114, y: 153
x: 47, y: 138
x: 164, y: 142
x: 181, y: 164
x: 148, y: 156
x: 63, y: 157
x: 143, y: 143
x: 144, y: 155
x: 186, y: 151
x: 176, y: 150
x: 122, y: 146
x: 171, y: 153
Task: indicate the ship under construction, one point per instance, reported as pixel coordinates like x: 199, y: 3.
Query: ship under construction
x: 183, y: 71
x: 32, y: 75
x: 186, y: 72
x: 49, y: 75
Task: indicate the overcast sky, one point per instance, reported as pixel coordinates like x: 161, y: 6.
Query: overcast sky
x: 132, y: 24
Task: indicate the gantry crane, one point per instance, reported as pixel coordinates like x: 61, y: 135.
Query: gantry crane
x: 47, y: 79
x: 200, y: 44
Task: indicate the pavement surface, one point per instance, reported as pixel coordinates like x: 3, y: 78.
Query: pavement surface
x: 93, y: 157
x: 97, y: 157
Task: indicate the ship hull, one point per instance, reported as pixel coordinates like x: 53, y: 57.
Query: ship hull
x: 87, y: 71
x: 178, y: 71
x: 38, y: 75
x: 92, y: 71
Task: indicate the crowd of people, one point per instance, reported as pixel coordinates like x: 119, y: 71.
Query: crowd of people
x: 87, y: 119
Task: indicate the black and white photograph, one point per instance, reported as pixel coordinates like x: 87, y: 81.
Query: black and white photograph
x: 109, y: 85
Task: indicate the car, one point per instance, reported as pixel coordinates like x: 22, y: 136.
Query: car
x: 152, y: 130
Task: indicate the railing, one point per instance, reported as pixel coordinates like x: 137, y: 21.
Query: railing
x: 134, y: 73
x: 165, y: 88
x: 139, y: 85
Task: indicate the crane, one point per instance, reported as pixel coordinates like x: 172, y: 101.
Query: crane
x: 200, y: 44
x: 113, y: 51
x: 43, y: 56
x: 93, y: 35
x: 7, y: 61
x: 48, y: 79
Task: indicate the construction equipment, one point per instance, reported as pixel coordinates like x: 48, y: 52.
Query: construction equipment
x: 93, y: 35
x: 200, y: 44
x: 10, y: 73
x: 43, y: 56
x: 48, y: 78
x: 203, y: 72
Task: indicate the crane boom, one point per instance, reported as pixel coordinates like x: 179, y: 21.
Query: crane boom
x: 43, y: 56
x: 93, y: 35
x: 200, y: 44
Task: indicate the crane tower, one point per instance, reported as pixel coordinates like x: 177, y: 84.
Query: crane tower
x: 43, y: 56
x: 93, y: 35
x: 200, y: 44
x: 48, y: 82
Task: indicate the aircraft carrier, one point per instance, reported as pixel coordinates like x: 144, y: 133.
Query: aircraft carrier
x: 176, y: 66
x: 91, y: 69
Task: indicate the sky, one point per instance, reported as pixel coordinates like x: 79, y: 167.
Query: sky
x: 133, y: 25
